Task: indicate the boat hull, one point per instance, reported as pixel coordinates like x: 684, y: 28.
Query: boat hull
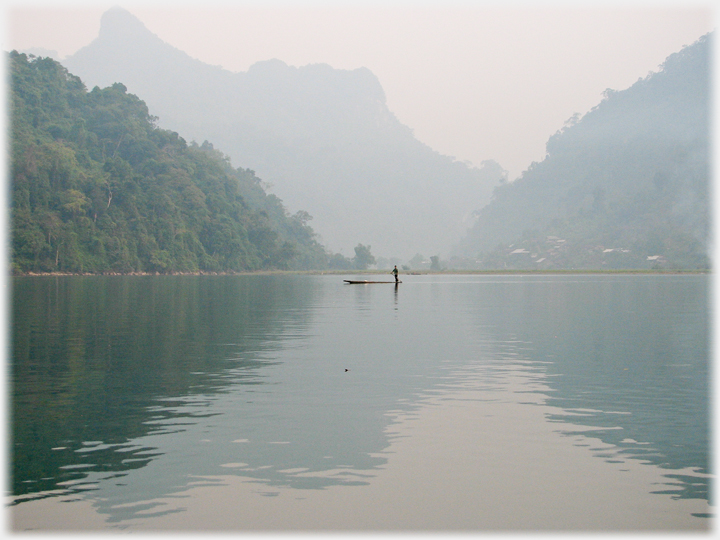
x: 364, y: 282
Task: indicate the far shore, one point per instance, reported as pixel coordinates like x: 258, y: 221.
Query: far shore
x: 377, y: 272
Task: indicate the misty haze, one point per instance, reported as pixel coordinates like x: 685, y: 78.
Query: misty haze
x: 256, y: 301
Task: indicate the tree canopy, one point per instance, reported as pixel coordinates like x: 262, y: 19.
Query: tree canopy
x: 97, y: 187
x: 363, y: 257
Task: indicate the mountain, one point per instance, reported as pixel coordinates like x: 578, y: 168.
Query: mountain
x: 323, y: 138
x: 96, y: 187
x: 625, y: 186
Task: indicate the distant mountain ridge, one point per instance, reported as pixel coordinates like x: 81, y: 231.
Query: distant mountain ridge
x: 625, y: 186
x: 322, y: 137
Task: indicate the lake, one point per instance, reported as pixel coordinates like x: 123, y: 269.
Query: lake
x: 301, y: 403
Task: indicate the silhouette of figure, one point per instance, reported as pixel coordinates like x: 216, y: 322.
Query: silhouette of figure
x: 395, y: 273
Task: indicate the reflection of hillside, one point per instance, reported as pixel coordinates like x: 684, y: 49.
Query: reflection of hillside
x: 628, y: 352
x: 94, y: 358
x: 186, y: 377
x: 190, y: 379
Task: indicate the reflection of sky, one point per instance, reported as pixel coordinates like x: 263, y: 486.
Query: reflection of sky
x: 285, y: 412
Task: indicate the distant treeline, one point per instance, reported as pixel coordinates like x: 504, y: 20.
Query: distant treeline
x: 96, y: 187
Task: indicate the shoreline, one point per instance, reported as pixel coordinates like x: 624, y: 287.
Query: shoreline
x: 373, y: 272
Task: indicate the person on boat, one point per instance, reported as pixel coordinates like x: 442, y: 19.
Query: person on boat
x: 395, y: 273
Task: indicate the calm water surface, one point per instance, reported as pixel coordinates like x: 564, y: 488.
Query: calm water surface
x: 125, y: 390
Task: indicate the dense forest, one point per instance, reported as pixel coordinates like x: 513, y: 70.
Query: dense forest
x: 97, y: 187
x: 625, y: 186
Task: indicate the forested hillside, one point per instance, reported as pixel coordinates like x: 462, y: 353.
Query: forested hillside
x: 625, y: 186
x: 96, y: 187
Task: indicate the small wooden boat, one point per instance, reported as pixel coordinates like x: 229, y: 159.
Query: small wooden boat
x: 363, y: 282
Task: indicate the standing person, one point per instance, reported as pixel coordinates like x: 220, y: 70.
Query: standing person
x: 395, y: 273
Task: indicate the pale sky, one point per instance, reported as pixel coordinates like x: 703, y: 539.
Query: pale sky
x: 476, y: 80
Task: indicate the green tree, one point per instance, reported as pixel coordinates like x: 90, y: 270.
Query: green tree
x: 363, y: 258
x: 337, y: 261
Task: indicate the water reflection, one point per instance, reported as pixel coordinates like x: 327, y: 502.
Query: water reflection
x: 93, y: 357
x: 153, y: 383
x: 625, y: 355
x: 135, y: 388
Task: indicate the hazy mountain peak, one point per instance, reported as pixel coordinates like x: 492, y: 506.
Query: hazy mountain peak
x: 126, y: 51
x: 118, y: 23
x: 324, y: 137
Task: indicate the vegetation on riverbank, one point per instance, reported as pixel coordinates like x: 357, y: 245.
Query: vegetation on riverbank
x: 385, y: 272
x: 96, y: 187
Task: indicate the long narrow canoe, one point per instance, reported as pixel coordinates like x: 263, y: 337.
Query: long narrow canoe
x: 354, y: 282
